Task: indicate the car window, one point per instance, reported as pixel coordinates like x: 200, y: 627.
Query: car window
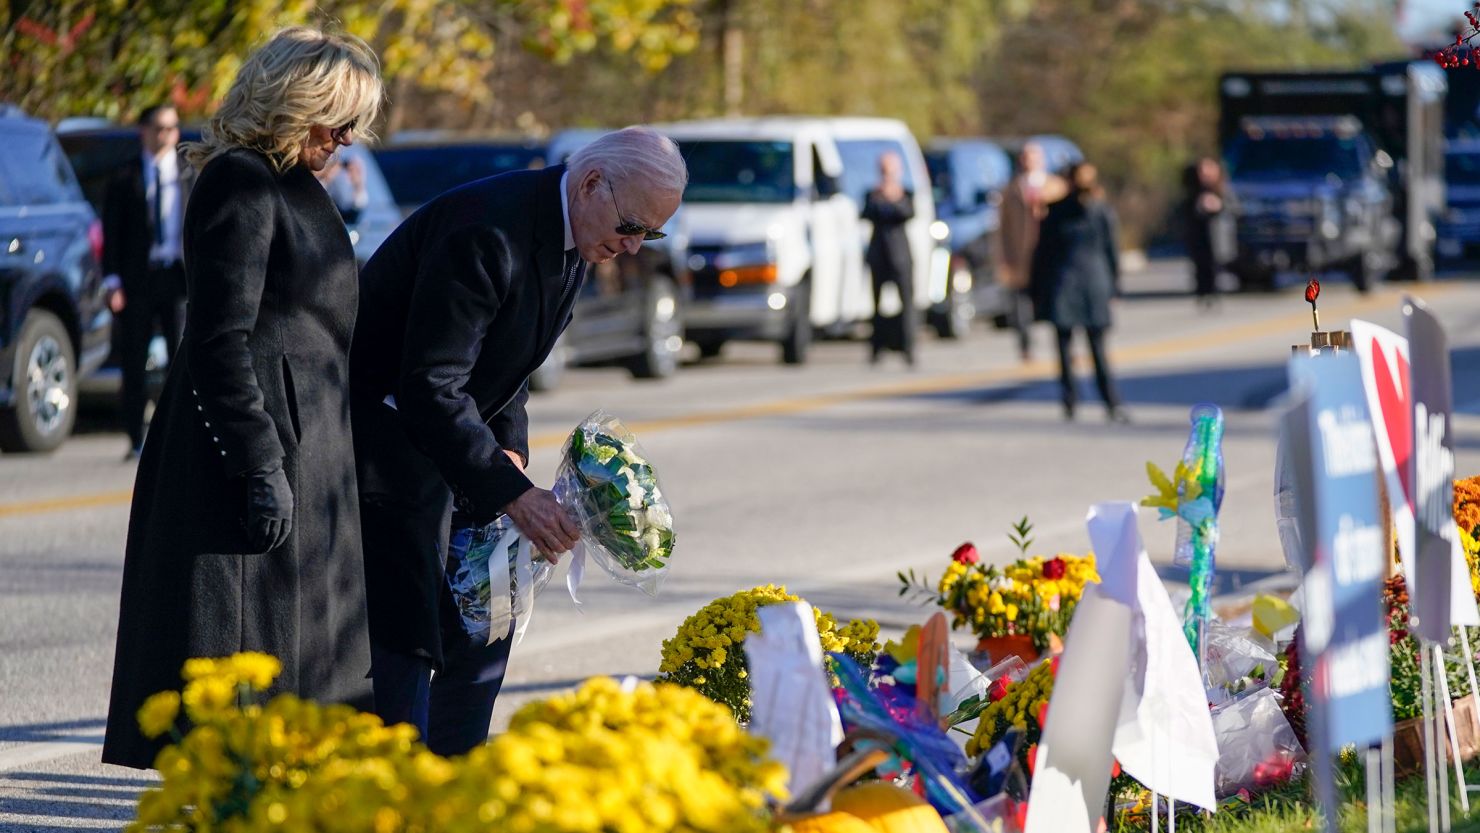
x: 1274, y: 159
x: 35, y: 169
x: 739, y: 171
x: 942, y: 183
x: 861, y: 165
x: 417, y: 174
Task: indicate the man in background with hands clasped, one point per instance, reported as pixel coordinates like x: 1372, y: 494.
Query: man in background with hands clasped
x: 457, y: 308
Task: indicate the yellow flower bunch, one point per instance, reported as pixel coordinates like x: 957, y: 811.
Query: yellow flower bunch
x: 1471, y: 547
x: 706, y: 653
x: 602, y: 758
x: 1033, y: 596
x: 1017, y: 708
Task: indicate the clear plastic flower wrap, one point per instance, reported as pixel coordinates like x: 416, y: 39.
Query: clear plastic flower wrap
x: 610, y: 488
x: 484, y: 556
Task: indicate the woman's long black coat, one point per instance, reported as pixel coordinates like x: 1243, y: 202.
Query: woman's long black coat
x: 1076, y: 266
x: 262, y: 377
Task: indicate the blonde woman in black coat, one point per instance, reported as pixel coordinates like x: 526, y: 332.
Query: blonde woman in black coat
x: 1076, y: 273
x: 245, y: 531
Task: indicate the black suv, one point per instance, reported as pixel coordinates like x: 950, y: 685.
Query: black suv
x: 54, y: 318
x: 628, y: 311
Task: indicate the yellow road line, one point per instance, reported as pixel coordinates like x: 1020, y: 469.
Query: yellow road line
x: 1294, y: 323
x: 85, y: 501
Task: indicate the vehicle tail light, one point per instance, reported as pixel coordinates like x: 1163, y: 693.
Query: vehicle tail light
x: 748, y: 274
x: 95, y: 239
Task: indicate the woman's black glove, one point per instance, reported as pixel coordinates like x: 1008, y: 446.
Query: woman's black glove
x: 269, y: 518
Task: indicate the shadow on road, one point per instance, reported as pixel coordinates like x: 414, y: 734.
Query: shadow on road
x: 71, y: 730
x: 1251, y: 387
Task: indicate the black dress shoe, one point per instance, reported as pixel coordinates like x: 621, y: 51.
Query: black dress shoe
x: 1069, y: 412
x: 1119, y: 416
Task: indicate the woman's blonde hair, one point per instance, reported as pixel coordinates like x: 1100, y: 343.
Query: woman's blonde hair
x: 300, y: 78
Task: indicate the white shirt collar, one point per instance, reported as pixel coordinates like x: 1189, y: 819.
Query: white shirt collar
x: 167, y: 165
x: 570, y: 239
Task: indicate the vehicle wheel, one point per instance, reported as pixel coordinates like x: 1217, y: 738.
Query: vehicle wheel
x: 798, y: 337
x: 709, y: 348
x: 955, y: 322
x: 662, y: 334
x: 547, y: 377
x: 45, y: 379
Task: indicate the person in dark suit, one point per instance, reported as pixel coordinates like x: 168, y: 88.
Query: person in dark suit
x: 245, y: 530
x: 143, y: 221
x: 457, y: 308
x: 1076, y: 273
x: 1201, y: 207
x: 889, y: 207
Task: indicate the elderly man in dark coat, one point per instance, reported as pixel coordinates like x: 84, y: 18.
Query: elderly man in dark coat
x: 458, y: 307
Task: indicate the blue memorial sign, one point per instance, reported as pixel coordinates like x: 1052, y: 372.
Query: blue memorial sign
x: 1345, y: 637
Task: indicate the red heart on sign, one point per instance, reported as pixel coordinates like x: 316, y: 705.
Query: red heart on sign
x: 1397, y: 411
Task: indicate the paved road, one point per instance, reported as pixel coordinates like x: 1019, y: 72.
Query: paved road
x: 826, y: 478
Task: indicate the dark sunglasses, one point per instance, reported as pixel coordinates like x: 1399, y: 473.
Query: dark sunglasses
x: 338, y: 133
x: 630, y: 229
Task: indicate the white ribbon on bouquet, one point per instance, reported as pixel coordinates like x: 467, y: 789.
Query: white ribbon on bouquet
x: 501, y: 604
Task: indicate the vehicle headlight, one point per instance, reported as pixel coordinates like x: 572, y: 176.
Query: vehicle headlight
x: 939, y: 230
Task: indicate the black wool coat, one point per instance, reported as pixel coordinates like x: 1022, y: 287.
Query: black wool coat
x: 457, y: 308
x: 1076, y: 265
x: 888, y: 255
x: 261, y: 379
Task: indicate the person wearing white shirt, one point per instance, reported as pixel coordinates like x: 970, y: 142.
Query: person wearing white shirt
x: 143, y: 219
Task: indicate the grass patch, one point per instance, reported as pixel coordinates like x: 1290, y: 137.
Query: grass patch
x: 1289, y: 809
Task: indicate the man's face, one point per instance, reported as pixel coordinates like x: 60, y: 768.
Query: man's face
x: 890, y: 167
x: 1032, y: 158
x: 161, y: 132
x: 594, y: 215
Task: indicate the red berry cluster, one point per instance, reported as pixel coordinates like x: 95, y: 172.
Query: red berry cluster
x: 1459, y: 53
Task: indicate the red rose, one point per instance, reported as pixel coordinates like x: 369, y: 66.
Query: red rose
x: 997, y: 690
x: 1054, y: 568
x: 965, y: 554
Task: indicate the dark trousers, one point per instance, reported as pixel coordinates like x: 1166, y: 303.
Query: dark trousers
x: 1204, y: 273
x: 157, y: 300
x: 1020, y: 311
x: 895, y: 332
x: 1103, y: 380
x: 451, y: 707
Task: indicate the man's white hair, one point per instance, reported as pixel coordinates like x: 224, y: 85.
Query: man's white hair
x: 640, y: 157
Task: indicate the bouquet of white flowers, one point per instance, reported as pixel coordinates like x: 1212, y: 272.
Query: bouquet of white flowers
x: 607, y: 485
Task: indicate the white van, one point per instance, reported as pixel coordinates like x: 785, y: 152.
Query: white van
x: 861, y: 141
x: 774, y: 247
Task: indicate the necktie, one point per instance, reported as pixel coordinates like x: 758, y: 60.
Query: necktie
x: 572, y: 270
x: 158, y: 207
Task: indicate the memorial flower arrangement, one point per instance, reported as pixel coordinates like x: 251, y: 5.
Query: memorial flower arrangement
x: 607, y: 756
x: 1022, y: 705
x: 706, y: 653
x: 1034, y: 596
